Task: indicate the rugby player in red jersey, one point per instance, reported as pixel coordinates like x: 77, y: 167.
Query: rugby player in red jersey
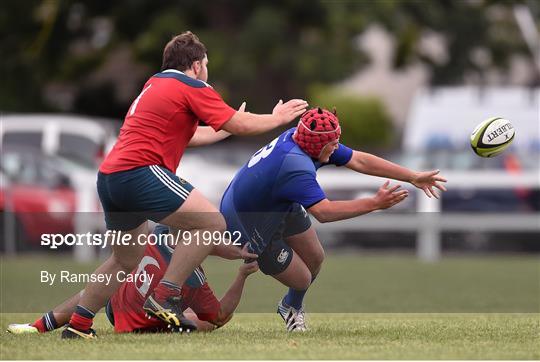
x: 137, y: 181
x: 124, y: 310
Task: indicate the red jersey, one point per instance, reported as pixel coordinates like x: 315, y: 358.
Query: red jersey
x: 127, y: 302
x: 162, y: 120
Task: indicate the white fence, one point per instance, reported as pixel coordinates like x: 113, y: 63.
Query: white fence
x: 428, y: 222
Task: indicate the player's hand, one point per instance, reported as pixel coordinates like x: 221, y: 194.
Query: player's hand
x: 249, y: 268
x: 246, y: 254
x: 242, y: 107
x: 286, y: 112
x: 427, y: 180
x: 387, y: 197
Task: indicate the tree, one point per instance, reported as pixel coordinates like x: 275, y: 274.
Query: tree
x: 259, y: 51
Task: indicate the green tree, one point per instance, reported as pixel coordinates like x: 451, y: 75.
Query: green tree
x: 364, y: 121
x: 259, y: 51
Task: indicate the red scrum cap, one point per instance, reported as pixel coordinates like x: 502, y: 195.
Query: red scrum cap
x: 317, y: 128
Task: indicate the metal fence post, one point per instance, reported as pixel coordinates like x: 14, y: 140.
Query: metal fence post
x: 428, y: 238
x: 83, y: 219
x: 10, y: 225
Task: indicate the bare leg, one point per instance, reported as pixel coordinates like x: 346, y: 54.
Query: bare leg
x: 309, y: 248
x: 310, y: 251
x: 195, y: 216
x: 54, y: 319
x: 297, y: 274
x: 298, y: 278
x: 307, y: 260
x: 63, y: 311
x: 124, y: 258
x: 197, y: 220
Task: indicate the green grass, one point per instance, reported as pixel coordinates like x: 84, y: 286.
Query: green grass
x: 358, y: 284
x: 382, y: 307
x: 332, y: 336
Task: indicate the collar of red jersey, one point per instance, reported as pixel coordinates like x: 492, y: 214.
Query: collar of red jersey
x: 172, y: 71
x: 179, y: 72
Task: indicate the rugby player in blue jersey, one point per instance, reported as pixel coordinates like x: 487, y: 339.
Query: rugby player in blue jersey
x: 268, y: 198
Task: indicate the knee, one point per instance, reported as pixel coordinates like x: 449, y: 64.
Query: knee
x: 214, y: 223
x: 304, y: 281
x: 316, y: 261
x: 220, y: 224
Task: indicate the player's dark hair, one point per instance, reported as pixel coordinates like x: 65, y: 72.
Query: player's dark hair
x: 182, y: 51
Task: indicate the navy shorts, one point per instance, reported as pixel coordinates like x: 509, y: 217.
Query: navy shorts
x: 131, y: 197
x: 277, y: 255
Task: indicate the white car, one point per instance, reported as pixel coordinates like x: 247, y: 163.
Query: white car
x: 79, y: 139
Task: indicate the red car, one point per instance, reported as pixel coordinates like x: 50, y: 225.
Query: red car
x: 35, y: 198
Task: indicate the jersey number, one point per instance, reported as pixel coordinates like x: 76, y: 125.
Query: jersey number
x: 262, y: 153
x: 136, y: 101
x: 145, y: 286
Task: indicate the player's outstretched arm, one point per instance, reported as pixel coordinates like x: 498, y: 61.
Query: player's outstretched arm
x: 245, y: 123
x: 386, y: 197
x: 232, y: 252
x: 206, y: 136
x: 202, y: 326
x: 369, y: 164
x: 232, y: 297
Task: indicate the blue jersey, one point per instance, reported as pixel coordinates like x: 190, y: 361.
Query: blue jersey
x: 265, y: 189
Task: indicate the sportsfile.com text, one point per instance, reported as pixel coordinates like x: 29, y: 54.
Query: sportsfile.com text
x: 120, y: 238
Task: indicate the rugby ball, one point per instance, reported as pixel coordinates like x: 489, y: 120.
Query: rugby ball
x: 492, y: 137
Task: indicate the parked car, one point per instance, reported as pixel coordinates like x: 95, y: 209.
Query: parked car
x: 35, y: 192
x: 76, y: 143
x: 83, y: 140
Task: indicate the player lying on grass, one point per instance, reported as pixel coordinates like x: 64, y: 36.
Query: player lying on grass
x: 124, y: 310
x: 267, y: 199
x: 136, y: 182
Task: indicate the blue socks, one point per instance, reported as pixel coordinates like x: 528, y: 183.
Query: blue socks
x: 295, y: 298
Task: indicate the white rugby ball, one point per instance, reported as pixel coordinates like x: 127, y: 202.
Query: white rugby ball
x: 492, y: 137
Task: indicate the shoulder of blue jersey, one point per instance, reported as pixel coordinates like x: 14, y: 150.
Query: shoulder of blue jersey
x: 295, y: 150
x: 181, y: 77
x: 296, y: 160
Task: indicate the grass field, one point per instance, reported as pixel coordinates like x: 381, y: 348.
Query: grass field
x: 361, y: 307
x: 332, y: 336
